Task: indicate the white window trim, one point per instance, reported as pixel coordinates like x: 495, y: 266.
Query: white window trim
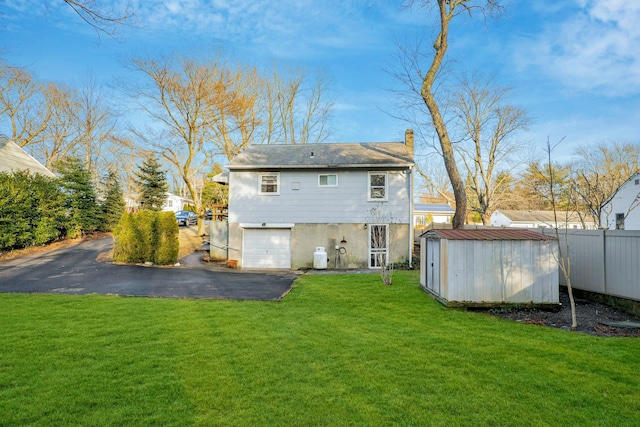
x: 386, y: 187
x: 275, y: 193
x: 327, y: 185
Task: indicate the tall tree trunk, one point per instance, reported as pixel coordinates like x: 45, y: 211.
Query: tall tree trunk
x: 457, y: 184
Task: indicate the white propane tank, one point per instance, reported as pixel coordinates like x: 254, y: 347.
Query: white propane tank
x: 320, y: 258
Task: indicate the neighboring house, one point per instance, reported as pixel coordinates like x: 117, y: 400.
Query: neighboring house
x: 428, y: 213
x: 540, y: 219
x: 175, y: 203
x: 172, y: 203
x: 354, y: 200
x: 13, y: 158
x: 620, y: 211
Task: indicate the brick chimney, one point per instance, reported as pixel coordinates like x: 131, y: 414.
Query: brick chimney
x: 408, y: 140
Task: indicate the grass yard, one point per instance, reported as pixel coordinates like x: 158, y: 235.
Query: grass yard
x: 338, y: 350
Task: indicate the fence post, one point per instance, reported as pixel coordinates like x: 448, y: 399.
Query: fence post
x: 604, y: 259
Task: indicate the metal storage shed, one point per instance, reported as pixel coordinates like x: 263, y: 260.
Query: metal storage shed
x: 490, y: 267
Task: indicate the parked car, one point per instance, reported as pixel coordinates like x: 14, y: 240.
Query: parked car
x: 186, y: 218
x: 208, y: 214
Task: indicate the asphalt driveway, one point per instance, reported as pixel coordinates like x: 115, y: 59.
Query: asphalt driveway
x: 74, y: 270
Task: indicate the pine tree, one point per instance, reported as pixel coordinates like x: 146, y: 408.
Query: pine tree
x: 113, y: 204
x: 83, y: 212
x: 152, y: 184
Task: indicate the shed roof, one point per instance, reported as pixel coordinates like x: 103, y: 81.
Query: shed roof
x: 14, y: 158
x: 488, y: 234
x: 309, y: 156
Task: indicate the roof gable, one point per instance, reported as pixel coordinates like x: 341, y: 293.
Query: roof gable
x: 14, y: 158
x: 633, y: 177
x: 323, y: 156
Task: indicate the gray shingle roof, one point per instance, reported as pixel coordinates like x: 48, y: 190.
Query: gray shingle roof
x: 14, y: 158
x: 338, y: 155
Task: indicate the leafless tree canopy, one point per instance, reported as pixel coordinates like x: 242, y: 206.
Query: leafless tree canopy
x: 486, y: 131
x: 447, y: 10
x: 102, y: 19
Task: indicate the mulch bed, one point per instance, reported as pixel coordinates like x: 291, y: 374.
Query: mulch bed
x: 591, y: 317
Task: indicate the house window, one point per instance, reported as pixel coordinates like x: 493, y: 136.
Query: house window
x: 637, y: 182
x: 619, y: 221
x: 377, y: 186
x: 269, y: 184
x: 327, y: 180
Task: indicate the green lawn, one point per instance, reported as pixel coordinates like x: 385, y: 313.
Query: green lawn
x: 338, y: 350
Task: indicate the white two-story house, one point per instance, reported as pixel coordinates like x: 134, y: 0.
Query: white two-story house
x: 621, y: 211
x: 354, y: 200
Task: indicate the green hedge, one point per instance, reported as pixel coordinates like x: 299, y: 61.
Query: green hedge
x: 32, y: 210
x: 146, y: 236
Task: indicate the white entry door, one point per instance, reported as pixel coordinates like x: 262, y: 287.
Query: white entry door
x: 378, y: 245
x: 266, y: 248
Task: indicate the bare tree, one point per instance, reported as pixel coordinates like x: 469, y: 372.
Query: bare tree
x: 599, y: 173
x: 435, y: 180
x: 23, y: 105
x: 96, y: 123
x: 185, y: 99
x: 447, y: 10
x: 295, y: 108
x: 487, y: 129
x: 103, y: 20
x: 564, y: 258
x: 60, y: 138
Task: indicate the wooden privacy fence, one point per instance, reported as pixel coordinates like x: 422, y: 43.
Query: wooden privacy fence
x: 603, y: 261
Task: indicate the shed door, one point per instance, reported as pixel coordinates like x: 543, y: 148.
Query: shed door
x: 433, y: 266
x: 266, y: 248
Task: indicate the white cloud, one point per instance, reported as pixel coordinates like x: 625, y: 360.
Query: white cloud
x: 286, y: 28
x: 591, y: 49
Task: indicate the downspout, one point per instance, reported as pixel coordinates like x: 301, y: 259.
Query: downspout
x: 411, y: 217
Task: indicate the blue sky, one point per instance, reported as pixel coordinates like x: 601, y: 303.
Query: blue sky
x: 573, y: 64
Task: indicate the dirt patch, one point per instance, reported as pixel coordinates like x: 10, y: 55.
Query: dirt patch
x: 189, y: 241
x: 591, y: 316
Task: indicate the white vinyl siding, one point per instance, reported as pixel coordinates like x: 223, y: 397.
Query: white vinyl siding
x: 302, y: 200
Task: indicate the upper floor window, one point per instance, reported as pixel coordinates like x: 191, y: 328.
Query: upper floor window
x: 377, y: 186
x: 619, y: 221
x: 269, y: 183
x: 328, y: 180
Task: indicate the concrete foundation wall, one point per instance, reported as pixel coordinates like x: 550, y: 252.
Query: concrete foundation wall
x: 351, y: 240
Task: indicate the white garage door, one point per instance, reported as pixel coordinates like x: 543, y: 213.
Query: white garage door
x: 267, y: 248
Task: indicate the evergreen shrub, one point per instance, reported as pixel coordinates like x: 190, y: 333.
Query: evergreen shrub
x: 167, y: 243
x: 32, y: 210
x: 146, y: 236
